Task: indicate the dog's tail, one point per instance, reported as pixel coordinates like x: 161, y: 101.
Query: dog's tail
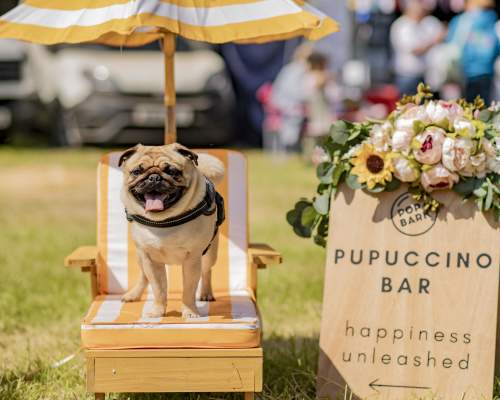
x: 211, y: 167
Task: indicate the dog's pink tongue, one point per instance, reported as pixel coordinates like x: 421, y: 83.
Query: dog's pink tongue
x: 154, y: 202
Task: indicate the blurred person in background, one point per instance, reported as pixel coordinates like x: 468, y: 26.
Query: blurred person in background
x: 250, y: 66
x: 288, y: 99
x: 412, y: 36
x: 323, y: 98
x: 300, y: 104
x: 475, y: 30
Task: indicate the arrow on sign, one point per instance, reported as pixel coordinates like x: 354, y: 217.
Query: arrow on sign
x: 374, y: 385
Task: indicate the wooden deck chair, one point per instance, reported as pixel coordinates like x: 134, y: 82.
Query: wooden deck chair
x: 128, y: 352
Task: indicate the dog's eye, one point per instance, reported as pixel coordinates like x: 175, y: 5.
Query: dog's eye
x: 137, y: 171
x: 172, y: 171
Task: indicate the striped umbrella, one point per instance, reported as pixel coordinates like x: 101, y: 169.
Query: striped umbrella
x: 138, y: 22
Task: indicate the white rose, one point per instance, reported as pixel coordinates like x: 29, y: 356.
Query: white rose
x: 476, y: 166
x: 380, y: 137
x: 401, y: 140
x: 492, y: 155
x: 407, y: 119
x: 464, y: 127
x: 456, y: 153
x: 490, y: 149
x: 438, y: 178
x: 493, y: 164
x: 404, y: 171
x: 443, y: 112
x: 352, y: 152
x: 430, y: 145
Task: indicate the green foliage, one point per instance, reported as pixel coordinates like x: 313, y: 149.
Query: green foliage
x: 309, y: 218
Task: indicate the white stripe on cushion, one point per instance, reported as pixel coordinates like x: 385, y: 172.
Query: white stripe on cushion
x: 228, y: 326
x: 109, y: 310
x: 243, y: 309
x: 210, y: 16
x: 117, y: 230
x: 237, y: 220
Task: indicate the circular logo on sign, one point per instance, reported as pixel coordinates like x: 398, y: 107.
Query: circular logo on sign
x: 409, y: 217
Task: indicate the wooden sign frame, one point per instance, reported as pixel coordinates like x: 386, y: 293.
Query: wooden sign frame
x: 410, y: 299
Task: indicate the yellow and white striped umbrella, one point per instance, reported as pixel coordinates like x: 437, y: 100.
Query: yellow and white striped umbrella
x: 137, y: 22
x: 134, y: 22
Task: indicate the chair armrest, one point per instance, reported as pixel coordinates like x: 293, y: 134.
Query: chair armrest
x: 262, y: 254
x: 83, y: 257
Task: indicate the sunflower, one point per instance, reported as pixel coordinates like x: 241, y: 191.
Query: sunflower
x: 372, y: 167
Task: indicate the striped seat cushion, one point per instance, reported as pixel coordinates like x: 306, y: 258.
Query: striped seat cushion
x: 231, y: 321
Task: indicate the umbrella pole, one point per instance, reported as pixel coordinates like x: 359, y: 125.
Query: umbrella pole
x: 170, y: 125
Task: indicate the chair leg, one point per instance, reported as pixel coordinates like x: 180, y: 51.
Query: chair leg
x: 100, y: 396
x: 249, y: 395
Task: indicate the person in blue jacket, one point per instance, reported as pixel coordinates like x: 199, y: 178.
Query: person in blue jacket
x: 475, y: 29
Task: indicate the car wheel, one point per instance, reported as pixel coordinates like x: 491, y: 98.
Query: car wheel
x: 65, y: 130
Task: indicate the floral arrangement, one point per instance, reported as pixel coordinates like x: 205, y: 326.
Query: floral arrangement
x: 431, y: 145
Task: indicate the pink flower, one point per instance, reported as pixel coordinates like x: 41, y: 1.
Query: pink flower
x: 456, y: 153
x: 443, y: 112
x: 438, y: 178
x: 430, y: 145
x: 318, y: 156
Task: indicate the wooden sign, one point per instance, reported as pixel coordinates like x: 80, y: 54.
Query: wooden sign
x: 410, y: 299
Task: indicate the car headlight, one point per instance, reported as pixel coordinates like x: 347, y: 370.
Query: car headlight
x: 101, y: 80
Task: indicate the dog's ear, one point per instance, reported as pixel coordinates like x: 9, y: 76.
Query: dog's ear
x: 184, y: 151
x: 127, y: 154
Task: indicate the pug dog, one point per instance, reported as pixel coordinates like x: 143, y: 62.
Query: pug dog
x: 164, y: 184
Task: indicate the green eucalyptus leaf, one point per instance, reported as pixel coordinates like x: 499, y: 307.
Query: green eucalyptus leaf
x: 353, y: 183
x: 467, y: 186
x: 339, y: 132
x: 489, y: 198
x: 377, y: 189
x: 393, y: 185
x: 323, y: 226
x: 308, y: 217
x: 495, y: 120
x: 355, y: 132
x: 479, y: 202
x: 291, y: 216
x: 324, y: 172
x: 337, y: 173
x: 322, y: 204
x: 320, y: 240
x: 480, y: 192
x: 302, y: 231
x: 323, y: 187
x: 485, y: 115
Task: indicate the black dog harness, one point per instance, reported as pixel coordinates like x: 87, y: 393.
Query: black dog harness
x: 212, y: 203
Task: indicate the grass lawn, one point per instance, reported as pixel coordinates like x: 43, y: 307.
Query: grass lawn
x: 47, y: 207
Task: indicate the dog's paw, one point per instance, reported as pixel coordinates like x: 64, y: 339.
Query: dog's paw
x: 190, y: 312
x: 156, y: 312
x: 207, y: 297
x: 131, y: 296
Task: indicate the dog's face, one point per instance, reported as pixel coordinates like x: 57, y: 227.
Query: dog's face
x: 156, y: 177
